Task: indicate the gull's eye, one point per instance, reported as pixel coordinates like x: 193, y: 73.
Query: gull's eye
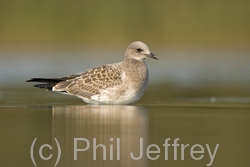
x: 139, y: 50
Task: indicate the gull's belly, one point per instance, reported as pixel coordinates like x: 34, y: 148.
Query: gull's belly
x: 118, y: 95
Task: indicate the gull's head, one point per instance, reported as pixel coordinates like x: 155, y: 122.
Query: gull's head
x: 139, y: 51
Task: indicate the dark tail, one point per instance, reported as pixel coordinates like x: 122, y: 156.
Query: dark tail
x: 49, y: 82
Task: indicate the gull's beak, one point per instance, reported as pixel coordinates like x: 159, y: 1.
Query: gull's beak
x: 152, y: 55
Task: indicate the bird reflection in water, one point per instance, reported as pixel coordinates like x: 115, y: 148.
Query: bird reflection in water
x: 112, y: 130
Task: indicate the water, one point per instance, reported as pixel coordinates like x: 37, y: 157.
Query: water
x: 198, y: 100
x: 127, y: 132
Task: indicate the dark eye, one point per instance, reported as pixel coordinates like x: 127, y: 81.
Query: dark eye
x: 139, y: 49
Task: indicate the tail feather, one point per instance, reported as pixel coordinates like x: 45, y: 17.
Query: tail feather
x: 49, y: 82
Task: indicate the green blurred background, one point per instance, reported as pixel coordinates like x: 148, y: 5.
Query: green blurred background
x: 179, y: 24
x: 203, y: 46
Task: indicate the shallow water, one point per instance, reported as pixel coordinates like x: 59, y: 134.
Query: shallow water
x: 73, y: 131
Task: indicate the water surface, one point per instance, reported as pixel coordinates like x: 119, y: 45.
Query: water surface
x: 124, y: 131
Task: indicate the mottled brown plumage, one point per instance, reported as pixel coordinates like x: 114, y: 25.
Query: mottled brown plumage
x: 92, y: 81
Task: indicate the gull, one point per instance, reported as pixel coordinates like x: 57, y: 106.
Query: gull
x: 118, y: 83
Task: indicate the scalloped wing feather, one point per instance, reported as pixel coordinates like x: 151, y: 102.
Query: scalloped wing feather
x: 91, y: 82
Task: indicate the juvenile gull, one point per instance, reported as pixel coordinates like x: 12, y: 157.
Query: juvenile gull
x: 119, y: 83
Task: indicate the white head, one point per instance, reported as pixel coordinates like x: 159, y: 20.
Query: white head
x: 139, y: 51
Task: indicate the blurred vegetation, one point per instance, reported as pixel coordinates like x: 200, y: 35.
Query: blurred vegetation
x: 183, y: 23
